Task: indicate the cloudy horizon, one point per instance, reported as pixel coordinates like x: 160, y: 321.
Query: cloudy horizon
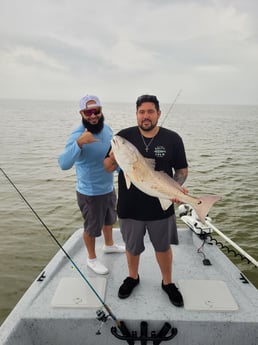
x: 63, y: 49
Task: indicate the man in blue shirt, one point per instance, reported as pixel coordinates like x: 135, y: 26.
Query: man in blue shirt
x: 86, y: 149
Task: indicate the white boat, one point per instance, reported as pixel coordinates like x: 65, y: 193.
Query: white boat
x: 60, y: 307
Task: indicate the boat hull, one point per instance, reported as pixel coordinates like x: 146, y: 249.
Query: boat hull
x: 206, y: 318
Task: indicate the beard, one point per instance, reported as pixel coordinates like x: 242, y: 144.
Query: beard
x: 150, y: 127
x: 94, y: 129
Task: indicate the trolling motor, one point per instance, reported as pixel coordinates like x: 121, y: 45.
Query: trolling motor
x: 190, y: 218
x: 131, y: 337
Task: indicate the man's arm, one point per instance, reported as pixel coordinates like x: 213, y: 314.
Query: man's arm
x: 180, y: 175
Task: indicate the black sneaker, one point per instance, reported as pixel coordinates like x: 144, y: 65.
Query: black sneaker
x: 127, y: 287
x: 173, y: 294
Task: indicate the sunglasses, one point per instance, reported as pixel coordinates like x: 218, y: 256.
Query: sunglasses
x: 93, y: 111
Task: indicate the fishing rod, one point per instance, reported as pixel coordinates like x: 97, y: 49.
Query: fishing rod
x: 171, y: 107
x: 118, y: 323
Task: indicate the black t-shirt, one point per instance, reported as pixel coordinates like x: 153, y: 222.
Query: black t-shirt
x: 167, y: 149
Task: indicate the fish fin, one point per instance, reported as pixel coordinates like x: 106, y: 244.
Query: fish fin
x: 165, y: 203
x: 127, y: 181
x: 203, y: 205
x: 150, y: 162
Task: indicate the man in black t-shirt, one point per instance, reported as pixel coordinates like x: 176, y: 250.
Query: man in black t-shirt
x: 139, y: 212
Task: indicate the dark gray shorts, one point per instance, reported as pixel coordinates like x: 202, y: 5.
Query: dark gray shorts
x: 162, y: 233
x: 97, y: 211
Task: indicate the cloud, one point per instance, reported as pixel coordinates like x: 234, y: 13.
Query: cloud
x: 60, y: 48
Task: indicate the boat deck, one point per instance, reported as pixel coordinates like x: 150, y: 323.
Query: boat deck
x: 220, y: 306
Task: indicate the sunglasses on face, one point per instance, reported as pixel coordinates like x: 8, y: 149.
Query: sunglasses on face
x: 93, y: 111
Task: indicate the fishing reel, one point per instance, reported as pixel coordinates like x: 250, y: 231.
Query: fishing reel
x: 102, y: 317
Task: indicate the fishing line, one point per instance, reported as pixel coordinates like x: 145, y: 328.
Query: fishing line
x: 170, y: 108
x: 63, y: 250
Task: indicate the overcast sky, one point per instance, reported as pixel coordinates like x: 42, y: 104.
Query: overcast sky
x: 119, y: 49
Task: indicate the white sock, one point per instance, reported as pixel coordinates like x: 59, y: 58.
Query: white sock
x: 92, y: 260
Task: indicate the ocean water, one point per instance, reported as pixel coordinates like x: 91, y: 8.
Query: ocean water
x: 221, y: 145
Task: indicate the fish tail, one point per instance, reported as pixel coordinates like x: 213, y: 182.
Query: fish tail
x: 203, y: 205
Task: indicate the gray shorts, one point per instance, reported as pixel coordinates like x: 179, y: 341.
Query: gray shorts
x: 162, y: 233
x: 97, y: 211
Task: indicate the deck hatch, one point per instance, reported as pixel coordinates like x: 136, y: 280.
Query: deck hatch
x: 75, y: 293
x: 207, y: 295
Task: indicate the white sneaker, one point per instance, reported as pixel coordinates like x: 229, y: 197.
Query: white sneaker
x: 113, y: 249
x: 97, y: 266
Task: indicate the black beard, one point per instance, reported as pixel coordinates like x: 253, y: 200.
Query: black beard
x: 148, y: 129
x: 94, y: 129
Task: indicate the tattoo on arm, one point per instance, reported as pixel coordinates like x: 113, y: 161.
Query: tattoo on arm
x: 180, y: 176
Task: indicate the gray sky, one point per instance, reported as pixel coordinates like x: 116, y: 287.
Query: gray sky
x: 119, y: 49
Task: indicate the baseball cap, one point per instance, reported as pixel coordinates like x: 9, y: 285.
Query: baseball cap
x: 88, y: 98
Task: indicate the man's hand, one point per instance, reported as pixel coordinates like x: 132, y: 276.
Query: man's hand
x: 112, y: 157
x: 86, y: 138
x: 110, y: 163
x: 177, y: 201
